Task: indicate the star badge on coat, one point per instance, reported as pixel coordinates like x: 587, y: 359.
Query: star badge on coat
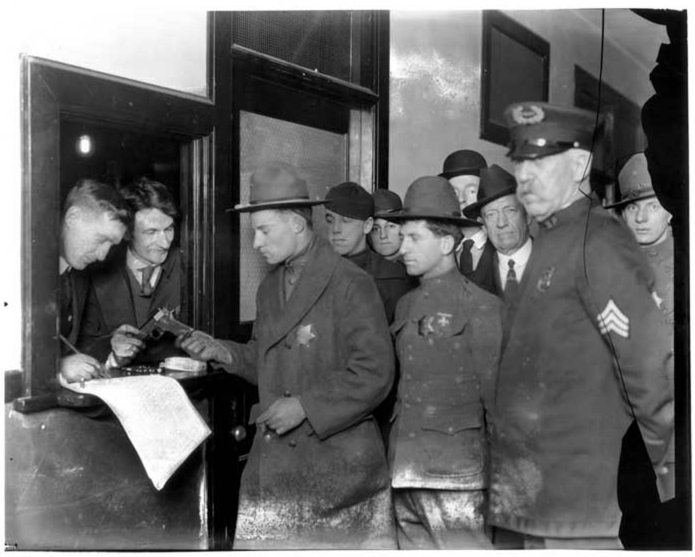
x: 657, y: 299
x: 611, y: 319
x: 305, y: 334
x: 545, y: 279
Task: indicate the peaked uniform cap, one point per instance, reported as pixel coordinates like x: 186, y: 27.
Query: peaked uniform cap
x: 463, y: 163
x: 432, y: 198
x: 495, y: 182
x: 276, y: 185
x: 634, y: 181
x: 386, y: 202
x: 539, y: 129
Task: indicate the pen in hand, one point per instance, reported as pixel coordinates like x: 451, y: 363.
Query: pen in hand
x: 101, y: 369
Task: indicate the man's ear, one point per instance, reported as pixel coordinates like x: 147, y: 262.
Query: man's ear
x: 581, y: 165
x: 368, y: 225
x: 72, y: 215
x: 298, y: 223
x: 447, y: 244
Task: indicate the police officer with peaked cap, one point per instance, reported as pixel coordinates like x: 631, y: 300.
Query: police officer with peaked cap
x: 586, y: 350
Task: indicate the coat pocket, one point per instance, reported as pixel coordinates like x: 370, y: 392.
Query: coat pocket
x: 453, y: 441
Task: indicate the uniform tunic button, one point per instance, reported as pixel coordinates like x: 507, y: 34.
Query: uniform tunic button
x: 408, y: 376
x: 407, y: 405
x: 293, y: 443
x: 287, y: 394
x: 411, y: 434
x: 69, y: 318
x: 267, y: 437
x: 450, y: 429
x: 418, y: 400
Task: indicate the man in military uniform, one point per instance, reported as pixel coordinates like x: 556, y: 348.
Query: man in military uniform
x: 506, y: 224
x: 650, y: 223
x: 474, y: 254
x: 586, y: 351
x: 321, y: 355
x: 448, y: 335
x: 95, y: 218
x: 350, y: 217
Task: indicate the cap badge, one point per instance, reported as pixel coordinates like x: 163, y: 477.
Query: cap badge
x: 528, y: 114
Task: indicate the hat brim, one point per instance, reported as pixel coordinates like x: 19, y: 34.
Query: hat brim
x: 406, y: 215
x: 473, y: 210
x: 624, y: 202
x: 473, y: 171
x: 285, y: 204
x: 527, y: 151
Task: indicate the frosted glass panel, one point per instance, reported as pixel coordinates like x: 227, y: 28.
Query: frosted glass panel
x: 162, y: 48
x: 320, y: 158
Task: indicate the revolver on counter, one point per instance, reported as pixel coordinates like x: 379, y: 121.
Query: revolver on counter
x: 164, y: 321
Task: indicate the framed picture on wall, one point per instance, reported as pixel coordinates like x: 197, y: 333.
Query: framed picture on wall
x: 515, y: 67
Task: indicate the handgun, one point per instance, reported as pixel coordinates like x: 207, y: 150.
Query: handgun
x: 161, y: 322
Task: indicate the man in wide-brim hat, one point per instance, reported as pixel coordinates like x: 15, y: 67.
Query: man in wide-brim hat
x: 321, y: 355
x: 448, y: 335
x: 506, y: 223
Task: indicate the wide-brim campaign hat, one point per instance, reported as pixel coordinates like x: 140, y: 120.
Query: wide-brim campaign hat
x: 463, y: 163
x: 495, y: 182
x: 386, y: 203
x: 634, y: 181
x: 432, y: 198
x: 276, y: 185
x: 539, y: 129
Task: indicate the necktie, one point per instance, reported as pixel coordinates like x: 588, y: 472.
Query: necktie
x: 511, y: 288
x: 65, y: 304
x: 466, y: 258
x: 145, y: 286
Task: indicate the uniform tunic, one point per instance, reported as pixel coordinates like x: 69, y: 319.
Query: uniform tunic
x: 324, y: 484
x: 448, y: 335
x: 561, y: 407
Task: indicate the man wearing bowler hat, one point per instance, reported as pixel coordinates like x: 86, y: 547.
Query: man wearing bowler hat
x: 506, y: 224
x: 321, y: 355
x: 448, y: 334
x: 474, y: 254
x: 586, y: 352
x: 350, y: 218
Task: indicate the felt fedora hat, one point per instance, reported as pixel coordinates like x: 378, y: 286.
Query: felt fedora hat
x: 431, y: 198
x: 463, y: 163
x: 634, y: 181
x: 495, y: 182
x: 276, y: 185
x: 351, y: 200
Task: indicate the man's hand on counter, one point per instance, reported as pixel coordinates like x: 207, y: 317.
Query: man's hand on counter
x: 80, y: 367
x: 201, y: 346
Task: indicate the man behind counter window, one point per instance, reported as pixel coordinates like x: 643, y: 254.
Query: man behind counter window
x: 322, y: 358
x: 586, y: 351
x: 95, y: 217
x: 143, y: 277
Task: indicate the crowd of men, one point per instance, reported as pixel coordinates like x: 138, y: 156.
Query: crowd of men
x: 454, y: 370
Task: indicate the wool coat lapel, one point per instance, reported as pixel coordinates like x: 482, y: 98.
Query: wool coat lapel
x: 315, y: 277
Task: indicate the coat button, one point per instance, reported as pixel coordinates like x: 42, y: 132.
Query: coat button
x: 267, y: 437
x: 418, y: 400
x: 293, y: 443
x: 411, y: 434
x: 287, y: 394
x: 450, y: 429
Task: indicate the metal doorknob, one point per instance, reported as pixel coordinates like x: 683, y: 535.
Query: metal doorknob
x: 239, y: 433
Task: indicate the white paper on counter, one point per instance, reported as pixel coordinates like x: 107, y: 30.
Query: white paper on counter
x: 157, y: 416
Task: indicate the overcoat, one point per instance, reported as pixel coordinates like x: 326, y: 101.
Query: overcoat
x: 324, y: 484
x: 484, y: 274
x: 448, y: 336
x: 563, y: 404
x: 79, y: 285
x: 110, y: 304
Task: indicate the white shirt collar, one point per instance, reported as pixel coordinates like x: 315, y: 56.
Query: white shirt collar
x: 63, y: 265
x: 479, y: 238
x: 520, y: 256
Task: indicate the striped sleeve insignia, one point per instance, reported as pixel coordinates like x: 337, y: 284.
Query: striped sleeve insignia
x: 611, y: 319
